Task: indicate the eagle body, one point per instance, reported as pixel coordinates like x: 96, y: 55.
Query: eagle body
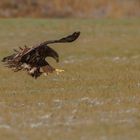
x: 33, y: 59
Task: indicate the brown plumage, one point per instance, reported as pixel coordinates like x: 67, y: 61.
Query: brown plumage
x: 33, y: 59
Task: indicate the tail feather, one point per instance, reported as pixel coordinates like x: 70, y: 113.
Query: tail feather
x: 8, y: 58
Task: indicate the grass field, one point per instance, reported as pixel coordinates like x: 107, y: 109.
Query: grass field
x: 96, y: 98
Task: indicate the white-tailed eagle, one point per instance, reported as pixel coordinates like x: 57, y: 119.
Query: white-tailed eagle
x: 33, y: 59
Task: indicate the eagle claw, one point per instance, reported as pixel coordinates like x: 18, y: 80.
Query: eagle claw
x: 58, y: 71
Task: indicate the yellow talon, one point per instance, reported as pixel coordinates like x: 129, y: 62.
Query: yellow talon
x: 58, y: 71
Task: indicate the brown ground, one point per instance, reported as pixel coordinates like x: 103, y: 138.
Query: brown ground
x: 96, y: 98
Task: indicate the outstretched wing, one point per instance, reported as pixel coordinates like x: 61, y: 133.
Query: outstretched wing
x: 67, y: 39
x: 37, y: 54
x: 42, y: 50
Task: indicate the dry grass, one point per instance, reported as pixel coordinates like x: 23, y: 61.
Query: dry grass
x: 96, y: 98
x: 70, y: 8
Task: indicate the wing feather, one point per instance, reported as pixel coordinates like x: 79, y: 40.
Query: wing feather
x: 41, y: 47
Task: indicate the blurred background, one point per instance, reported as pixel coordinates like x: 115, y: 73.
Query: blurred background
x: 70, y: 8
x: 98, y: 95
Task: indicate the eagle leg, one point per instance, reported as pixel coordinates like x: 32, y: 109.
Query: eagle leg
x: 35, y: 72
x: 47, y: 69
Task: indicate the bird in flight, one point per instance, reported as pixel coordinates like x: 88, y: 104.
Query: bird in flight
x: 33, y: 60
